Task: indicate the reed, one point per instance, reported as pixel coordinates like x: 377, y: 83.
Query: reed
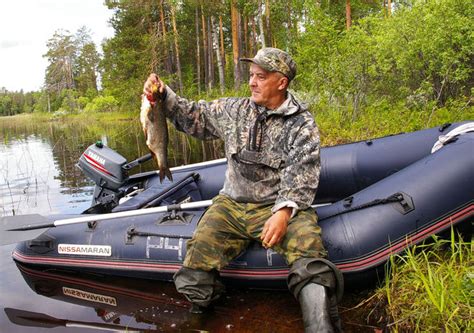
x: 430, y: 288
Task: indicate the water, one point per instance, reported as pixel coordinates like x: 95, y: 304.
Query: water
x: 32, y: 180
x: 38, y: 175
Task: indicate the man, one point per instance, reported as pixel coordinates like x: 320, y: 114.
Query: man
x: 272, y: 148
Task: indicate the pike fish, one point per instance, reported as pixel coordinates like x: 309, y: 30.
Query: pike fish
x: 156, y: 134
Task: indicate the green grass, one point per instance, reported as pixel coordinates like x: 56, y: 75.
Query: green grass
x: 430, y: 288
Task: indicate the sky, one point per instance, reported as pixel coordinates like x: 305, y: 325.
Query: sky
x: 26, y: 26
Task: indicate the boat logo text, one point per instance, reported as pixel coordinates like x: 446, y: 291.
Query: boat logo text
x: 86, y: 250
x: 96, y: 157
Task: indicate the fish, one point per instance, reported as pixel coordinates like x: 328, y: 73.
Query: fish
x: 155, y: 128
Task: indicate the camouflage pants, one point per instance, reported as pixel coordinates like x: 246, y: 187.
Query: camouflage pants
x: 228, y: 227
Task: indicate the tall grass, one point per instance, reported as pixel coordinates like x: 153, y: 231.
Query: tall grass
x: 431, y: 288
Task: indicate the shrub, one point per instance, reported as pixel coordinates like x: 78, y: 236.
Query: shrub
x: 102, y: 104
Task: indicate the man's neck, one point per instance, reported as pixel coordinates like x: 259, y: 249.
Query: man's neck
x: 275, y: 103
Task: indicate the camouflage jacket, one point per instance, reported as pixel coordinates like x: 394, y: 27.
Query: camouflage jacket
x: 272, y: 155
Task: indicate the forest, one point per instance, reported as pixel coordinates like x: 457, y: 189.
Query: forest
x: 354, y: 56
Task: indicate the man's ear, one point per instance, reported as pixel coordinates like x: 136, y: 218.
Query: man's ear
x: 283, y: 83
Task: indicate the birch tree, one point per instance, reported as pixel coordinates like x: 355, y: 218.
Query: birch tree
x: 220, y: 65
x: 210, y: 54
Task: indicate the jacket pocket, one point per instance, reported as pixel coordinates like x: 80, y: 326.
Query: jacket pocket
x: 261, y: 158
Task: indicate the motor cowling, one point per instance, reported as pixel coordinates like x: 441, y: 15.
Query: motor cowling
x: 104, y: 166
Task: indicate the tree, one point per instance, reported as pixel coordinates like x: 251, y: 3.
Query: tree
x: 235, y: 17
x: 198, y: 50
x: 220, y: 64
x: 221, y: 35
x: 127, y: 56
x: 61, y: 55
x: 268, y: 25
x: 206, y: 50
x: 168, y: 61
x: 176, y: 46
x: 72, y: 70
x: 348, y: 14
x: 87, y: 67
x: 260, y: 24
x: 210, y: 53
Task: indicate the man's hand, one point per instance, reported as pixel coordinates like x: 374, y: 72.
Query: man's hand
x: 275, y: 228
x: 153, y: 87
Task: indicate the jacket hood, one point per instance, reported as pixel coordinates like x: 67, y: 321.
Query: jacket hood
x: 290, y: 106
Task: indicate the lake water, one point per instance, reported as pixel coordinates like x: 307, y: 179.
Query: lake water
x: 38, y: 175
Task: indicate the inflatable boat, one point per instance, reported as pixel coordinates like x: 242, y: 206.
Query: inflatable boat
x: 375, y: 198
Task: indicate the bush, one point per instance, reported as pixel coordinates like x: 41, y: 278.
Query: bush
x: 102, y: 104
x: 82, y: 102
x: 421, y: 56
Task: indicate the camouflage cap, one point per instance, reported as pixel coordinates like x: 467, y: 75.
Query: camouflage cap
x: 274, y: 60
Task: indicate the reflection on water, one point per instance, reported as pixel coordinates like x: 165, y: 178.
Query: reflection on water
x: 143, y: 305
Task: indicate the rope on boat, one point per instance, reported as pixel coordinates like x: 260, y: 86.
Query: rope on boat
x: 407, y: 205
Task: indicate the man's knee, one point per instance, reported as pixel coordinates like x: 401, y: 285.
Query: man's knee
x: 315, y: 270
x: 198, y: 286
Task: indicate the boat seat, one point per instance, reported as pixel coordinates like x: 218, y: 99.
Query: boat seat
x: 182, y: 189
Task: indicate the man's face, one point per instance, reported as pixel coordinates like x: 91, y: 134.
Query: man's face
x: 267, y: 87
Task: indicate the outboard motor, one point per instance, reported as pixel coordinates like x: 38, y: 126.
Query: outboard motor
x: 109, y: 171
x: 104, y: 166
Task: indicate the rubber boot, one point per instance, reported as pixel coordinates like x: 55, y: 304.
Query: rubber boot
x: 334, y: 314
x: 198, y: 309
x: 200, y: 287
x: 314, y: 302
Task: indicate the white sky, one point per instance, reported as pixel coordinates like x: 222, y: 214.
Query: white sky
x: 26, y: 26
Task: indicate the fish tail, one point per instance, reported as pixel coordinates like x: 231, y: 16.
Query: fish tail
x: 165, y: 172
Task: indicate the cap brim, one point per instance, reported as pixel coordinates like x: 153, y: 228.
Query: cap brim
x: 256, y: 62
